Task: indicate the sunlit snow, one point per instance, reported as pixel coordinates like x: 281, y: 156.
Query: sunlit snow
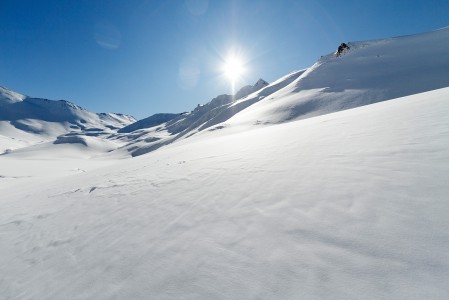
x: 311, y: 187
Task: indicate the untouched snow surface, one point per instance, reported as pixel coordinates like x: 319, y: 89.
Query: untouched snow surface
x: 349, y: 205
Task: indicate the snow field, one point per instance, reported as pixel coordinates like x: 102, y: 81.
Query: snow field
x: 349, y: 205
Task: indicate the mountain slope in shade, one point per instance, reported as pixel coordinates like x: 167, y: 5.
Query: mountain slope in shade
x: 149, y: 122
x: 25, y: 121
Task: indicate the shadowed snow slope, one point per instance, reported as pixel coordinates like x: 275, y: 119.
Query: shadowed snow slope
x: 151, y: 121
x: 25, y: 121
x: 350, y: 205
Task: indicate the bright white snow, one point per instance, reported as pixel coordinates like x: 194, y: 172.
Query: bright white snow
x: 350, y: 205
x: 297, y: 190
x: 26, y: 121
x: 368, y: 72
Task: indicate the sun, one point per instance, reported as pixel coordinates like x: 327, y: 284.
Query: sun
x: 233, y: 68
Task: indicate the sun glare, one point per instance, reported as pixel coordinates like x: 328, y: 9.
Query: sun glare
x: 233, y: 68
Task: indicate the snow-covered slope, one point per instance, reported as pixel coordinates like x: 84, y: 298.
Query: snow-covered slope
x: 249, y: 89
x: 368, y: 72
x: 25, y: 121
x: 202, y: 117
x: 185, y: 122
x: 349, y: 205
x: 149, y: 122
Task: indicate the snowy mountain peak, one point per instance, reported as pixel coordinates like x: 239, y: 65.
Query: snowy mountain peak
x: 8, y: 96
x: 249, y: 89
x: 260, y: 84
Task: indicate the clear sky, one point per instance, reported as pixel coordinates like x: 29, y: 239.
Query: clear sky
x: 142, y: 57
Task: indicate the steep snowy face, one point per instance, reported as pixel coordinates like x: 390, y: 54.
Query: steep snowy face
x: 365, y: 73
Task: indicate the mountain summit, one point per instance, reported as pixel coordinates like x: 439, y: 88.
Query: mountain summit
x: 249, y: 89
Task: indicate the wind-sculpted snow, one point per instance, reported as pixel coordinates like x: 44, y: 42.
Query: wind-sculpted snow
x: 349, y: 205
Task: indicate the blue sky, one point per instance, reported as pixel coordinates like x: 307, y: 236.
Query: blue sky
x: 142, y: 57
